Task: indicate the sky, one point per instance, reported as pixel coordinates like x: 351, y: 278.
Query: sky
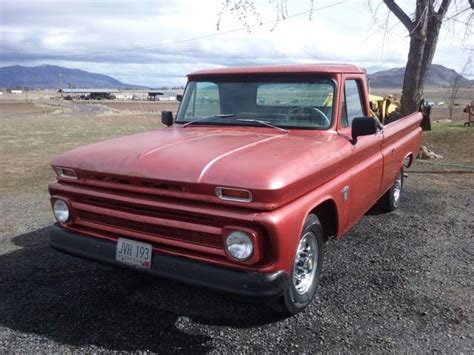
x: 156, y: 42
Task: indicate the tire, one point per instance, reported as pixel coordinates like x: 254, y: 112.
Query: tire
x: 390, y: 201
x: 300, y: 292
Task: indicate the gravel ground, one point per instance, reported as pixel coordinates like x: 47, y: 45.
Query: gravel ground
x: 399, y: 282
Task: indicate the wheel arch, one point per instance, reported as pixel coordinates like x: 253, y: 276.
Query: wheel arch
x: 327, y: 213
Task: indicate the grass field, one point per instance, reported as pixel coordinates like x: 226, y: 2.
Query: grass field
x: 453, y: 141
x: 30, y: 139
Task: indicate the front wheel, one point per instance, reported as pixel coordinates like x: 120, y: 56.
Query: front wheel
x: 307, y: 265
x: 390, y: 201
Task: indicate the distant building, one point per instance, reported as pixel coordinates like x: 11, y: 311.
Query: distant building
x: 154, y: 95
x: 15, y: 92
x: 90, y: 94
x: 124, y: 96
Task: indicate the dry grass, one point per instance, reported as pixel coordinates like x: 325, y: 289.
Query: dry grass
x: 455, y: 171
x: 8, y: 108
x: 28, y: 142
x: 142, y: 106
x: 453, y: 141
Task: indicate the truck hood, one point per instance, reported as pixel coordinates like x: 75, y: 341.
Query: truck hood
x: 275, y: 167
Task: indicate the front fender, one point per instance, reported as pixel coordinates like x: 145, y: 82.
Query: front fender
x: 285, y: 224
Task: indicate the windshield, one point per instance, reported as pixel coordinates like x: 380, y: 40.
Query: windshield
x: 287, y: 104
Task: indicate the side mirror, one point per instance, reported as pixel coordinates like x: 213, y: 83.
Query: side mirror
x: 363, y: 126
x: 167, y: 118
x: 179, y: 97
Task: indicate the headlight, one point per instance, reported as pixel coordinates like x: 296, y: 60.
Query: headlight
x: 239, y: 245
x: 60, y: 210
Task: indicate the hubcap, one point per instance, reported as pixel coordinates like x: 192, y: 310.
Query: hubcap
x: 306, y: 262
x: 397, y: 190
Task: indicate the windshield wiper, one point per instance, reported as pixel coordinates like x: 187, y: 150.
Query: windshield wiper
x: 222, y: 115
x: 263, y: 123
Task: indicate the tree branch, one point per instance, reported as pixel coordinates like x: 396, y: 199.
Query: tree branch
x: 443, y: 8
x: 401, y: 15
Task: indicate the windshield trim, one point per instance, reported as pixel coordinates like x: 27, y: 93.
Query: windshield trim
x: 244, y: 125
x: 281, y: 79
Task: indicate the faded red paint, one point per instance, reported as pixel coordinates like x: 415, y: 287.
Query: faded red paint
x: 283, y: 69
x: 159, y: 186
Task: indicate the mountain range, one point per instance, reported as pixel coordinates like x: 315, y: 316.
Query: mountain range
x: 438, y: 75
x: 53, y: 77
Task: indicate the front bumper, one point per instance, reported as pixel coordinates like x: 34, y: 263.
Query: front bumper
x: 250, y: 285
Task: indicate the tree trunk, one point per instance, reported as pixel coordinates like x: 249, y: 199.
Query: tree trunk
x: 424, y: 32
x: 412, y: 91
x: 432, y: 32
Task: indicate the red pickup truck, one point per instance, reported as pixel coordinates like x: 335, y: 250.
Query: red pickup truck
x: 241, y: 190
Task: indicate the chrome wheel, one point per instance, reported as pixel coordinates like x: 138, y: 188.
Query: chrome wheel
x: 397, y: 190
x: 306, y: 269
x: 306, y: 261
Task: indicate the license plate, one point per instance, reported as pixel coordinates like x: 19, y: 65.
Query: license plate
x: 134, y: 253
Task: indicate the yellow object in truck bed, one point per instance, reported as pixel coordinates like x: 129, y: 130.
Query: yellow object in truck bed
x: 382, y: 107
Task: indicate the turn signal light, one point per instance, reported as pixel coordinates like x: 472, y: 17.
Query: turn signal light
x: 230, y: 194
x: 66, y: 173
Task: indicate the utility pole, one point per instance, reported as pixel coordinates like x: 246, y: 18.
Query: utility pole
x: 25, y: 88
x: 61, y: 84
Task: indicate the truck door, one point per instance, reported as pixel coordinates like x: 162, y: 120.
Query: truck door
x: 367, y: 162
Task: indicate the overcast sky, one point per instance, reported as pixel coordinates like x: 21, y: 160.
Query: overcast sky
x: 96, y: 35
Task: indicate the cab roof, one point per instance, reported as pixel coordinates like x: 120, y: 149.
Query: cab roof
x: 282, y: 69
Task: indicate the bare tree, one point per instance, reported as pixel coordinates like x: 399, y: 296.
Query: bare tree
x: 423, y: 30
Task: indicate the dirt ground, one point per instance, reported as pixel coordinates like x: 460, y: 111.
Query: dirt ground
x: 398, y: 282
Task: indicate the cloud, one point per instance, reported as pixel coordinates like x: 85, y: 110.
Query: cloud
x: 95, y: 36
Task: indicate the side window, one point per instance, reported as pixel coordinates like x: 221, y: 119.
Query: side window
x: 204, y: 100
x: 351, y: 103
